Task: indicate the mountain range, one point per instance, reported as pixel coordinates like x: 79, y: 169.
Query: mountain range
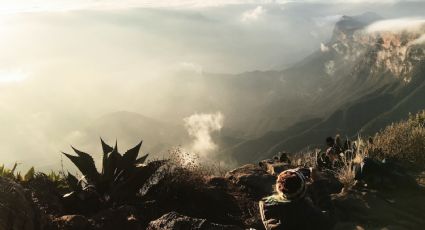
x: 356, y: 83
x: 359, y: 81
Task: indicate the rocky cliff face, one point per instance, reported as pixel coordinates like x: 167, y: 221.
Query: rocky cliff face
x: 394, y: 52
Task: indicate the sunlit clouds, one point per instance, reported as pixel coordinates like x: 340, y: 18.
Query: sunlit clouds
x: 397, y: 25
x: 253, y: 15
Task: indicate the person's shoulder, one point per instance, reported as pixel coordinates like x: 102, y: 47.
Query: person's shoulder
x: 275, y: 200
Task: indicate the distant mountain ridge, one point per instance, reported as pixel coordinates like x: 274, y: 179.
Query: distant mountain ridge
x: 362, y: 81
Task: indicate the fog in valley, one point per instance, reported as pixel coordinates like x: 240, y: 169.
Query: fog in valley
x: 176, y: 74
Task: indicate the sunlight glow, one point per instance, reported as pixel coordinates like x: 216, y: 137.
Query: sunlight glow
x: 12, y: 76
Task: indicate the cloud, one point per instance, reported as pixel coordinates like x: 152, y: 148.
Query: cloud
x: 253, y: 15
x: 200, y: 127
x: 324, y: 48
x: 18, y: 6
x: 397, y: 25
x: 327, y: 20
x: 190, y: 67
x: 419, y: 41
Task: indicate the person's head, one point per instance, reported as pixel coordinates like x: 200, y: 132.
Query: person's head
x: 330, y: 142
x: 291, y: 184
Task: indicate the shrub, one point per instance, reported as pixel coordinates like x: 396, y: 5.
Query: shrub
x: 404, y: 140
x: 306, y: 158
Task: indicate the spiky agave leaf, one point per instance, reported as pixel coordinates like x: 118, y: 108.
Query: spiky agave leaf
x: 142, y: 159
x: 129, y: 157
x: 106, y: 150
x: 105, y: 147
x: 113, y: 160
x: 129, y: 187
x: 85, y: 163
x: 73, y: 182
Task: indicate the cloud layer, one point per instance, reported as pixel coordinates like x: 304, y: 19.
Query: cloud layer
x: 397, y: 25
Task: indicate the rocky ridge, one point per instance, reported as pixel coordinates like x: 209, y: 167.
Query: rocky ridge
x: 228, y: 202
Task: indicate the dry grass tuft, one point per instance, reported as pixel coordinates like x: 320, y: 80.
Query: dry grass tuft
x: 193, y: 163
x: 404, y: 141
x: 307, y: 158
x: 347, y: 173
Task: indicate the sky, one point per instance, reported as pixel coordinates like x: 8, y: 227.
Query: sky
x: 16, y: 6
x: 65, y: 65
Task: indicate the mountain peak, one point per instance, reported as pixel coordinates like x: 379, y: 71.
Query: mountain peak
x: 347, y: 25
x: 377, y: 49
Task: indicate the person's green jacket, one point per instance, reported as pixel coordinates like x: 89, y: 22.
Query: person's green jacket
x: 277, y: 213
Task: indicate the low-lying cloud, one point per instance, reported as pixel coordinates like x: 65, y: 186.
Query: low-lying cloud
x: 397, y: 25
x: 201, y: 127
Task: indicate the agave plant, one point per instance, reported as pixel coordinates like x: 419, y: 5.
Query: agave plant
x: 120, y: 179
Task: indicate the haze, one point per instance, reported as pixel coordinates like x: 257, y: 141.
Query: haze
x: 70, y: 73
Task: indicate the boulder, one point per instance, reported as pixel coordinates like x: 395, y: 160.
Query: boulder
x: 16, y: 211
x: 176, y: 221
x: 380, y: 210
x: 217, y: 181
x: 123, y: 217
x: 72, y: 222
x: 254, y: 179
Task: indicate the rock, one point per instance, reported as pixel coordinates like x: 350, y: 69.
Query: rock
x: 279, y: 163
x: 282, y: 157
x: 276, y: 168
x: 217, y: 181
x: 257, y: 181
x: 16, y: 211
x: 371, y: 208
x: 72, y: 222
x: 347, y: 226
x: 123, y: 217
x: 176, y: 221
x: 385, y: 175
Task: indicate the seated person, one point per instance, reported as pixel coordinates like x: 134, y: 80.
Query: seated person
x: 290, y: 208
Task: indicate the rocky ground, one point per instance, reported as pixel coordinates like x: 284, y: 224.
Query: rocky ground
x: 190, y: 201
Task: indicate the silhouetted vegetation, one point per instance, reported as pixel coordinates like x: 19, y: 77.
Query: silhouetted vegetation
x: 404, y: 141
x: 120, y: 180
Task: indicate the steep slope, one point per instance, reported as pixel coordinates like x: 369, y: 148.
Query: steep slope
x: 378, y: 77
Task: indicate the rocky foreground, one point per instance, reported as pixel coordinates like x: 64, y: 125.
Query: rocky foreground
x: 190, y: 201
